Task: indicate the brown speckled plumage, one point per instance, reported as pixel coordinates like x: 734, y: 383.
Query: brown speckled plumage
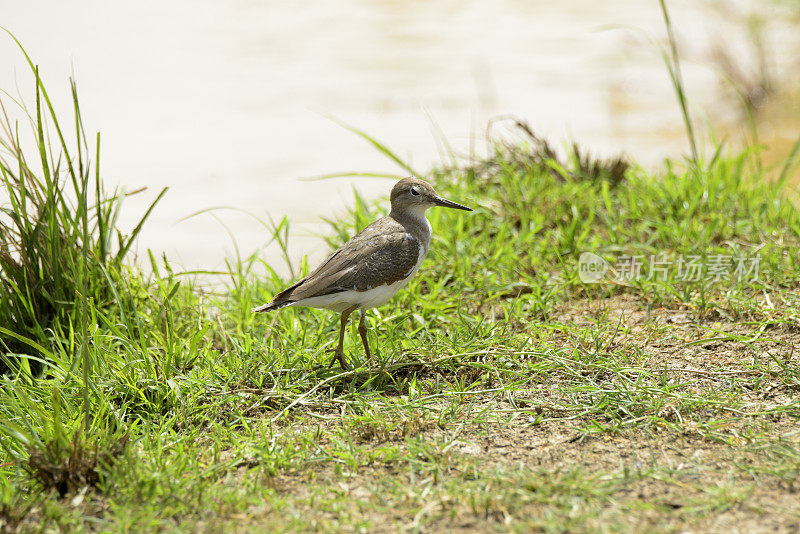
x: 380, y: 254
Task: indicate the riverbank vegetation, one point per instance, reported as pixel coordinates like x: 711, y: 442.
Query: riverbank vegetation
x: 511, y: 388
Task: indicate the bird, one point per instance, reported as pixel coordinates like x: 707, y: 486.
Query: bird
x: 373, y: 265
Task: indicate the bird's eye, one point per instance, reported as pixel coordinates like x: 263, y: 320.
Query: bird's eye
x: 414, y: 191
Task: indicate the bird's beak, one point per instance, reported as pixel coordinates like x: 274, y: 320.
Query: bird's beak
x: 439, y: 201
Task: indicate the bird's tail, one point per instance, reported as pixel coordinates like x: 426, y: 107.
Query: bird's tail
x: 268, y: 307
x: 284, y: 298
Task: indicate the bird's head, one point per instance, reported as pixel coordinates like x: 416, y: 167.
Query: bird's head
x: 415, y: 196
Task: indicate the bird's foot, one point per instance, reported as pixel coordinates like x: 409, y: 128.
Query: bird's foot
x: 338, y: 356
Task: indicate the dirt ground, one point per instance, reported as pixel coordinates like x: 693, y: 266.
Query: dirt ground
x: 674, y: 481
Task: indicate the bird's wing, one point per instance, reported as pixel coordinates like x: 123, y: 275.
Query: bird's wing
x: 382, y: 253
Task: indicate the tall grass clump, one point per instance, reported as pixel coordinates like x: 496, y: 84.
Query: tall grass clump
x: 64, y: 284
x: 59, y: 245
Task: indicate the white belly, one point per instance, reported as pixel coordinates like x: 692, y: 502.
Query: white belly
x: 371, y: 298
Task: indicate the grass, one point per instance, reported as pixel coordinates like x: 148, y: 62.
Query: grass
x: 506, y: 394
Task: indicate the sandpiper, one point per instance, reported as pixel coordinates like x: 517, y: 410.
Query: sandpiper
x: 369, y: 269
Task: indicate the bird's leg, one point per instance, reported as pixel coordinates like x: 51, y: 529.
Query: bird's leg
x: 338, y: 354
x: 362, y: 330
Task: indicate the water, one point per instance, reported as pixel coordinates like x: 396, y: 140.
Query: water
x: 229, y: 103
